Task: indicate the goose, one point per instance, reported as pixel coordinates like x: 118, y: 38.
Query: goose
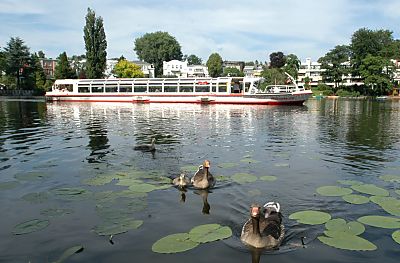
x: 264, y: 229
x: 146, y: 147
x: 181, y: 181
x: 203, y: 179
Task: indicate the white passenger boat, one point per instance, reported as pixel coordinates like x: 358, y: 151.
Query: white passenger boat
x: 222, y: 90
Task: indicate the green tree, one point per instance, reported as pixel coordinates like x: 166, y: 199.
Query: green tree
x: 78, y: 65
x: 274, y: 76
x: 41, y: 54
x: 16, y: 59
x: 292, y: 65
x: 334, y: 64
x: 391, y: 51
x: 366, y: 42
x: 63, y: 68
x: 214, y: 65
x: 96, y: 45
x: 232, y: 72
x: 193, y: 60
x: 154, y: 48
x: 377, y: 73
x: 126, y: 69
x: 39, y: 75
x: 277, y: 59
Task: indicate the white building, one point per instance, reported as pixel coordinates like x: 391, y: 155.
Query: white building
x: 182, y: 69
x: 252, y: 71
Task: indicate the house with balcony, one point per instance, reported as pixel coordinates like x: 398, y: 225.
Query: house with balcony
x: 183, y: 70
x: 49, y: 66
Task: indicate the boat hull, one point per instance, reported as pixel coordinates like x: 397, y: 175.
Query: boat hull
x: 264, y: 99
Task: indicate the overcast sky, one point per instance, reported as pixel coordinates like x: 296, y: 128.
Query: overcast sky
x: 238, y: 30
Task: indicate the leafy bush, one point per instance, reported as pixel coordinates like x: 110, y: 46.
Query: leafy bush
x: 346, y: 93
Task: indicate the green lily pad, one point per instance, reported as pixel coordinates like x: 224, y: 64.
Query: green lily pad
x: 71, y: 193
x: 396, y: 236
x: 243, y: 178
x: 348, y: 242
x: 174, y: 243
x: 310, y: 217
x: 282, y: 165
x: 339, y: 226
x: 333, y: 191
x: 355, y: 199
x: 36, y: 198
x: 227, y: 165
x: 142, y: 187
x: 31, y: 176
x: 389, y: 204
x: 269, y: 178
x: 52, y: 212
x: 128, y: 181
x: 222, y: 178
x: 350, y: 182
x: 209, y: 232
x: 68, y: 253
x: 249, y: 160
x: 9, y: 185
x: 98, y: 180
x: 117, y: 227
x: 190, y: 168
x: 370, y: 189
x: 380, y: 221
x: 390, y: 178
x: 30, y: 226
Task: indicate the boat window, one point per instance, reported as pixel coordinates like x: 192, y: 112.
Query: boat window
x: 214, y: 87
x: 140, y: 88
x: 83, y: 89
x: 155, y: 88
x: 111, y: 88
x: 202, y: 88
x: 247, y: 86
x: 97, y: 89
x: 125, y: 87
x: 170, y: 88
x: 222, y: 87
x: 186, y: 88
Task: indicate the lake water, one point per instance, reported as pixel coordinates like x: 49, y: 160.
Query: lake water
x: 45, y: 147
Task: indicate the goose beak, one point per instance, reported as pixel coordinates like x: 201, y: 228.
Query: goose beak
x: 206, y: 164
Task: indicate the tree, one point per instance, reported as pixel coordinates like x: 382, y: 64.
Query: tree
x: 41, y: 54
x: 39, y: 75
x: 377, y: 73
x: 63, y: 68
x: 277, y: 60
x: 334, y: 64
x: 292, y: 65
x: 78, y: 65
x: 366, y: 42
x: 126, y: 69
x: 16, y: 59
x: 274, y: 76
x: 214, y: 65
x: 154, y: 48
x: 96, y: 45
x: 232, y: 72
x: 193, y: 60
x: 391, y: 51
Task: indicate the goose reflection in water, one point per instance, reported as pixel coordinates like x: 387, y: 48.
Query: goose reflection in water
x: 204, y: 195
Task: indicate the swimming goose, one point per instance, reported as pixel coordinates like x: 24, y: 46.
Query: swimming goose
x: 146, y: 147
x: 181, y: 181
x: 264, y: 229
x: 203, y: 179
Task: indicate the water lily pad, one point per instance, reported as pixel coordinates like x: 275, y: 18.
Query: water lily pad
x: 71, y: 193
x: 269, y: 178
x: 370, y: 189
x: 350, y: 182
x: 36, y: 198
x: 227, y: 165
x: 31, y: 176
x: 190, y: 168
x: 30, y: 226
x: 396, y: 236
x: 390, y: 178
x: 142, y: 187
x: 380, y: 221
x: 209, y: 232
x: 222, y: 178
x: 117, y: 227
x: 355, y: 199
x: 333, y: 191
x: 310, y: 217
x: 348, y: 242
x: 338, y: 226
x: 249, y: 160
x: 98, y: 180
x: 52, y: 212
x: 128, y: 181
x: 282, y: 165
x: 174, y: 243
x: 243, y: 178
x: 389, y: 204
x: 68, y: 253
x: 9, y: 185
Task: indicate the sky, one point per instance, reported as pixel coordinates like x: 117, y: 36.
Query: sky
x: 245, y: 30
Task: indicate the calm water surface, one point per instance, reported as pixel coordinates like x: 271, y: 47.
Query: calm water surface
x: 304, y: 147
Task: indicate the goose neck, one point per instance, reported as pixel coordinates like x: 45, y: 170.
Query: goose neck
x: 256, y: 225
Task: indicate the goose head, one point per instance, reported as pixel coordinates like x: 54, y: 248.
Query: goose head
x: 271, y: 207
x: 255, y: 211
x: 206, y: 164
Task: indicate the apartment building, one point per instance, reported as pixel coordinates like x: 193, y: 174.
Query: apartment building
x: 182, y: 69
x: 49, y: 66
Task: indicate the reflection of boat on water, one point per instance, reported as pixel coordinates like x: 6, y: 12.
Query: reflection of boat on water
x: 222, y: 90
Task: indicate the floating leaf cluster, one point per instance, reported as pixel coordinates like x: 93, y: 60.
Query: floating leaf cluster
x: 185, y: 241
x: 310, y: 217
